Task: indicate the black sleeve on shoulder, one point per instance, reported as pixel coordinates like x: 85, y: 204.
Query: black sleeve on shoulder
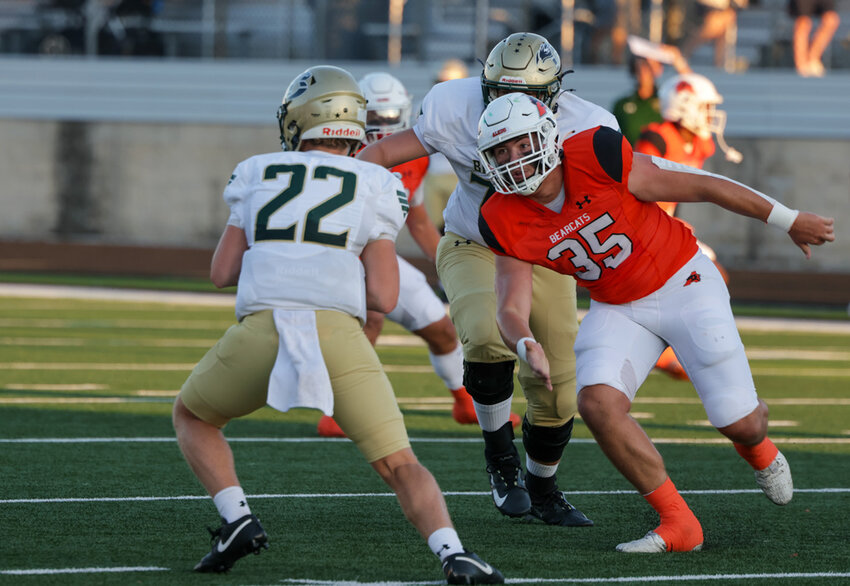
x: 608, y: 148
x: 655, y: 140
x: 487, y: 234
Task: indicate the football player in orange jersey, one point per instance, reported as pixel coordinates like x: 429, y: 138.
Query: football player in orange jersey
x: 419, y: 309
x: 586, y: 207
x: 689, y: 108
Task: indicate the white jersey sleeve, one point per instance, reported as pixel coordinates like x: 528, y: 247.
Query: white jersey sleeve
x: 307, y: 217
x: 391, y: 204
x: 234, y: 195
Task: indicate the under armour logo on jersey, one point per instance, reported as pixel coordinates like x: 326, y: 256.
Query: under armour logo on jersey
x: 581, y: 203
x: 692, y: 278
x: 459, y: 242
x: 243, y: 504
x: 232, y: 177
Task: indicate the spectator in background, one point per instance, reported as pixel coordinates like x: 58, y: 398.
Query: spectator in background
x: 646, y: 63
x: 718, y: 17
x: 808, y: 52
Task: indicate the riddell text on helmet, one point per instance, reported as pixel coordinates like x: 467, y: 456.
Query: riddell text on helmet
x: 340, y: 132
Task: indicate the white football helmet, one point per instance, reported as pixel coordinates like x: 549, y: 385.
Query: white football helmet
x: 691, y: 100
x: 322, y: 102
x: 508, y: 117
x: 523, y: 62
x: 388, y: 105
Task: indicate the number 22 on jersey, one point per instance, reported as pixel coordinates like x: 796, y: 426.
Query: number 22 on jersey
x: 311, y: 222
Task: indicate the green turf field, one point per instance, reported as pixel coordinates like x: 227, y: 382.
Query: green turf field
x: 94, y: 489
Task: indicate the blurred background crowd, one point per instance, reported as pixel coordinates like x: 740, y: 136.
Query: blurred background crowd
x: 732, y: 34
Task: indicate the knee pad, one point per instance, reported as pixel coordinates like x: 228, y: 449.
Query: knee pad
x: 545, y: 444
x: 489, y: 383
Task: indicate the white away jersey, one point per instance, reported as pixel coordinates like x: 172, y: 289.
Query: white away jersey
x: 307, y: 217
x: 448, y: 124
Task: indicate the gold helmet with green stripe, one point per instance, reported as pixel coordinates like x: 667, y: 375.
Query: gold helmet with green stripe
x: 324, y: 102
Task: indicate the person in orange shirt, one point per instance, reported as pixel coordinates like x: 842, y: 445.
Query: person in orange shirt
x: 586, y: 207
x: 419, y: 310
x: 691, y: 118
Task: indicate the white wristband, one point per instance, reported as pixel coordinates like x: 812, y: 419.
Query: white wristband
x: 521, y: 350
x: 782, y: 217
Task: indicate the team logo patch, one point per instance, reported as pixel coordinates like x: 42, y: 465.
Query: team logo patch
x: 301, y: 86
x: 692, y: 278
x: 545, y: 52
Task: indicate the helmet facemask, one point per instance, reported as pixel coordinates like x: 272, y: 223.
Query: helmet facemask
x: 530, y: 126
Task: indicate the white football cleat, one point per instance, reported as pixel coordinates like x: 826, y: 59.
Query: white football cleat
x: 775, y: 480
x: 649, y: 543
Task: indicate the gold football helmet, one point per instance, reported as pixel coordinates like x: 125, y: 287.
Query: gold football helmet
x: 522, y: 62
x: 323, y: 102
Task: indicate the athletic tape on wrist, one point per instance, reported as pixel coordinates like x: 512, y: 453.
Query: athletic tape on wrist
x: 782, y: 217
x: 521, y: 350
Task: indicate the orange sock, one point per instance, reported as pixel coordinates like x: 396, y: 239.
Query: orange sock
x: 679, y: 527
x: 760, y: 455
x: 463, y: 410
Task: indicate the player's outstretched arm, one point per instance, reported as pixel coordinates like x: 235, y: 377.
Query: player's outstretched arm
x: 655, y: 179
x: 395, y: 149
x: 513, y: 296
x: 422, y: 231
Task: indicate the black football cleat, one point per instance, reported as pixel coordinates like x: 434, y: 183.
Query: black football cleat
x: 468, y: 568
x: 232, y: 541
x: 553, y: 509
x: 508, y: 485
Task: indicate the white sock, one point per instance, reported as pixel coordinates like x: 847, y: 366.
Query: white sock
x: 538, y: 469
x: 445, y: 542
x: 493, y: 417
x: 449, y: 367
x: 231, y: 503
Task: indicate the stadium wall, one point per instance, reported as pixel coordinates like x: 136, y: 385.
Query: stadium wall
x: 136, y: 154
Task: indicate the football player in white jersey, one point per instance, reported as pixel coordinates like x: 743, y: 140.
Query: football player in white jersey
x: 419, y: 310
x: 310, y: 244
x: 449, y: 124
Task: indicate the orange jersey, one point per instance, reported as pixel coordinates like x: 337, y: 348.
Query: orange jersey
x: 618, y: 247
x: 412, y: 173
x: 662, y: 139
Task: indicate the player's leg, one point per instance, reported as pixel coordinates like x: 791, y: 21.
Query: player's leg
x: 366, y: 409
x: 548, y: 423
x: 230, y: 381
x: 701, y: 326
x: 467, y: 272
x: 829, y: 21
x: 614, y: 356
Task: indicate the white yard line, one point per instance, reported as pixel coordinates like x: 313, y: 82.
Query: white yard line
x: 54, y: 571
x: 228, y: 300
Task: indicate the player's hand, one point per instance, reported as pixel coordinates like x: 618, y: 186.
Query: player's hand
x: 538, y: 362
x: 810, y: 229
